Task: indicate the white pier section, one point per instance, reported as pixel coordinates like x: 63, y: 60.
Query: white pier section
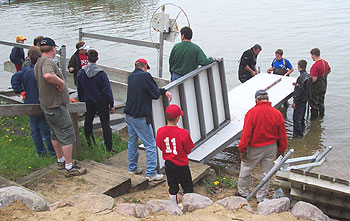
x: 213, y: 116
x: 241, y: 99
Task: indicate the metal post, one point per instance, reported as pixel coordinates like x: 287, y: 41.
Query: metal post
x: 161, y: 45
x: 268, y: 176
x: 63, y: 55
x: 80, y: 34
x: 319, y: 158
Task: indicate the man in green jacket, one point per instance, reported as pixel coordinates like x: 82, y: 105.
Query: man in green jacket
x: 186, y: 56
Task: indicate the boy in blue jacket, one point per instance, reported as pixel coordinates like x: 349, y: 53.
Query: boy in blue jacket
x: 24, y: 81
x: 17, y: 54
x: 94, y: 89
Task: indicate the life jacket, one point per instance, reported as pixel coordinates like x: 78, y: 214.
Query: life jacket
x: 280, y: 71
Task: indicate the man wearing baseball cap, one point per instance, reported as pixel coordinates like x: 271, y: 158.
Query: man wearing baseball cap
x: 142, y: 89
x: 53, y: 97
x: 263, y: 135
x: 175, y: 144
x: 17, y: 54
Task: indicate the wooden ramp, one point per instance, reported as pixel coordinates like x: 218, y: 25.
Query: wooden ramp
x: 331, y: 195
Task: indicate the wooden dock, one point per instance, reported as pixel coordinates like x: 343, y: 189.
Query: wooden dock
x: 330, y: 194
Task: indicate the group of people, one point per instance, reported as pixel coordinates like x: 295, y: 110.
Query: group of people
x: 44, y: 84
x: 263, y: 135
x: 308, y: 88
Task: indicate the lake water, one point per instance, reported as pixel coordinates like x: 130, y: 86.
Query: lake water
x: 222, y: 29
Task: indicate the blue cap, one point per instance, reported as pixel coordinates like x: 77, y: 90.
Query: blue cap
x: 260, y: 94
x: 47, y: 42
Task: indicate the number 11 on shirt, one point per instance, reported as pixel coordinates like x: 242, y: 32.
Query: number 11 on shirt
x: 167, y: 144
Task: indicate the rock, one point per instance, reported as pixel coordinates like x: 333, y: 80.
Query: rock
x: 131, y: 209
x: 274, y: 206
x: 193, y: 201
x: 13, y: 193
x: 91, y: 201
x: 58, y: 204
x: 163, y: 206
x: 235, y: 202
x: 308, y: 211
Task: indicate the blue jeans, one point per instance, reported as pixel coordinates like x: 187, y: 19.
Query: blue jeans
x: 138, y: 128
x: 175, y: 76
x: 40, y: 129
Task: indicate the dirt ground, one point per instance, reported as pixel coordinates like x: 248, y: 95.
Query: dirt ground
x: 54, y: 187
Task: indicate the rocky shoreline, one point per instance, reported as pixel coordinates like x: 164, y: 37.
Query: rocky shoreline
x: 157, y: 209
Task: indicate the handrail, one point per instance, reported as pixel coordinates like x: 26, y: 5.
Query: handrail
x: 202, y: 95
x: 62, y: 52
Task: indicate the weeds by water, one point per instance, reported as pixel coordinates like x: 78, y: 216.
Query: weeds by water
x: 216, y: 184
x: 17, y: 150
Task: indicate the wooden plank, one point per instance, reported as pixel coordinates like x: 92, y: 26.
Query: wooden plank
x: 36, y: 175
x: 137, y: 182
x: 32, y: 109
x: 318, y: 197
x: 320, y: 184
x: 10, y: 100
x: 77, y: 150
x: 283, y: 184
x: 198, y: 170
x: 5, y: 183
x: 112, y: 185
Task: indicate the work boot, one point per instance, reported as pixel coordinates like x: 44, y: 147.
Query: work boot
x: 75, y: 171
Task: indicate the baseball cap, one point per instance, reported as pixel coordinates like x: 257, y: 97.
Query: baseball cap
x: 173, y: 111
x: 47, y: 42
x: 84, y: 47
x: 141, y: 60
x: 20, y: 37
x: 260, y: 94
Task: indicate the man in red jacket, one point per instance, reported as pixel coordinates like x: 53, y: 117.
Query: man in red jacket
x: 263, y: 135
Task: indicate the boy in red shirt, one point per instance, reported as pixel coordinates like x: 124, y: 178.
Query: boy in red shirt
x: 175, y: 143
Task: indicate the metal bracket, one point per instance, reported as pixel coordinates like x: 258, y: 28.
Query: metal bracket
x: 284, y: 164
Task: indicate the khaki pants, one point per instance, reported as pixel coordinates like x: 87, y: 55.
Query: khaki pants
x: 265, y: 156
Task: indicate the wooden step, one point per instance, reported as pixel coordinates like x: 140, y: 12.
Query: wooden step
x: 105, y: 180
x: 198, y: 170
x: 138, y: 182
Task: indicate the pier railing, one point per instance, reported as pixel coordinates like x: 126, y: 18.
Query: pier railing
x: 62, y: 52
x: 202, y: 95
x: 33, y: 109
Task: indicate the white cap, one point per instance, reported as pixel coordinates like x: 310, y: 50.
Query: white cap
x: 84, y: 47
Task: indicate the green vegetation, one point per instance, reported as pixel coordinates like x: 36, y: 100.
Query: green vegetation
x: 17, y: 150
x: 215, y: 184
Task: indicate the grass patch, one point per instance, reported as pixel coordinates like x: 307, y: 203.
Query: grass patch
x: 17, y: 150
x: 216, y: 184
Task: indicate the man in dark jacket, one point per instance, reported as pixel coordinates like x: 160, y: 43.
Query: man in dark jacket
x: 247, y: 65
x: 24, y: 80
x: 78, y: 60
x: 142, y: 89
x: 94, y: 89
x: 302, y: 93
